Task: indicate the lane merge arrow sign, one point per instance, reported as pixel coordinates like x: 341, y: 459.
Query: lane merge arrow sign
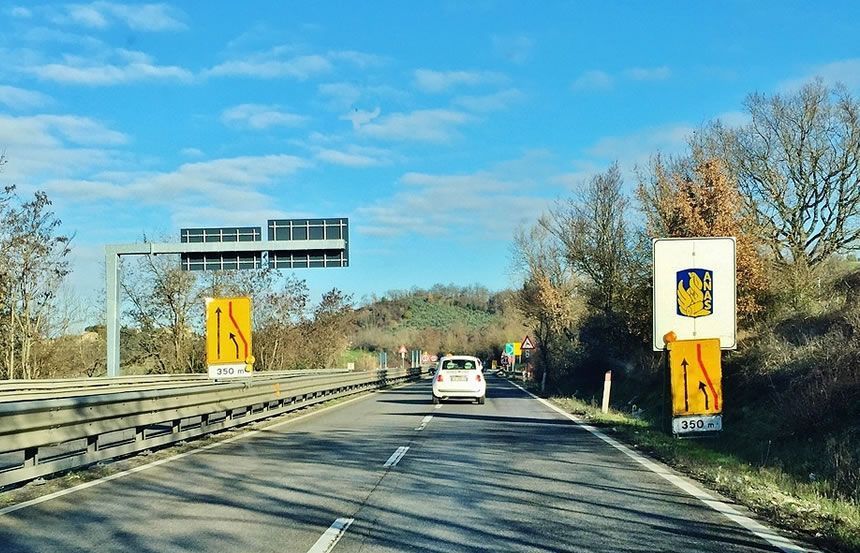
x: 228, y: 339
x: 696, y: 380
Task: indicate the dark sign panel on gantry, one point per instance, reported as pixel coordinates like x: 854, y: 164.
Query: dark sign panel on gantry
x: 306, y: 230
x: 221, y: 260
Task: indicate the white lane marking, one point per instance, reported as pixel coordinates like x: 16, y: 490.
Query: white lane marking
x: 248, y: 434
x: 396, y: 456
x: 331, y: 536
x: 763, y: 532
x: 424, y: 422
x: 438, y: 406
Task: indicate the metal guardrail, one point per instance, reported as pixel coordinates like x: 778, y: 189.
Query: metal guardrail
x: 44, y: 436
x: 17, y: 390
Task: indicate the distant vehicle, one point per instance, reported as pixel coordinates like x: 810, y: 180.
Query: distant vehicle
x: 459, y: 376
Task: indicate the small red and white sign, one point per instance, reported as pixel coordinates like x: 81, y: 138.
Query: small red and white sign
x: 527, y: 343
x: 402, y: 350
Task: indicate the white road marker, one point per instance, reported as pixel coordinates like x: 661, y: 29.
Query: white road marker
x: 424, y: 422
x: 438, y: 406
x: 331, y: 536
x: 396, y: 456
x: 755, y: 527
x: 248, y: 434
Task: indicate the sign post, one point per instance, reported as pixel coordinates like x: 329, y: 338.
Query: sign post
x: 228, y: 337
x: 695, y: 317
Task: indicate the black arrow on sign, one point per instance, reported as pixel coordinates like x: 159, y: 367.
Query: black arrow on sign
x: 704, y: 390
x: 686, y: 396
x: 235, y: 343
x: 218, y: 326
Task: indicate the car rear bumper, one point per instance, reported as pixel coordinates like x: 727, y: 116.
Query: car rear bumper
x: 442, y: 392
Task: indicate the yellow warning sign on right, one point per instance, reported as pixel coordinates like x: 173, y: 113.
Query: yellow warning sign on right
x: 696, y: 376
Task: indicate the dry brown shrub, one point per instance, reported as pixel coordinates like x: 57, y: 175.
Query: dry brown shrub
x: 687, y: 199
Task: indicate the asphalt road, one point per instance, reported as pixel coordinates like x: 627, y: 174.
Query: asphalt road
x: 510, y: 475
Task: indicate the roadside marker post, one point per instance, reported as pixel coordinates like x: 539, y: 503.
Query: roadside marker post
x: 607, y: 386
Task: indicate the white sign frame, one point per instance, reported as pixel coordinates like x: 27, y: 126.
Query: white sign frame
x: 673, y: 255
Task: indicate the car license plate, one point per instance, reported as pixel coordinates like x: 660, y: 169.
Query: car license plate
x: 458, y: 378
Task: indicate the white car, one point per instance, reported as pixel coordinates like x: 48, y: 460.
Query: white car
x: 459, y: 376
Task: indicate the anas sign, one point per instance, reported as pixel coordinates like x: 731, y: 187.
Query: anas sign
x: 694, y: 290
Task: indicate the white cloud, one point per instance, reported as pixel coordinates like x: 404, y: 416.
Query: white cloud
x: 191, y: 152
x: 592, y: 80
x: 845, y: 71
x: 132, y: 67
x: 140, y: 17
x: 21, y: 99
x: 648, y: 73
x: 355, y: 156
x: 361, y: 60
x: 440, y: 81
x: 20, y: 11
x: 637, y: 147
x: 298, y: 67
x: 54, y: 145
x: 259, y: 117
x: 514, y: 48
x: 432, y: 125
x: 491, y: 102
x: 458, y: 205
x: 224, y: 183
x: 342, y: 95
x: 360, y: 117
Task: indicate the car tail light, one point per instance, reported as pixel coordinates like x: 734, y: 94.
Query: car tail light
x: 439, y: 378
x: 478, y: 377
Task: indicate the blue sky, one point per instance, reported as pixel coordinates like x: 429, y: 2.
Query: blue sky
x: 436, y: 127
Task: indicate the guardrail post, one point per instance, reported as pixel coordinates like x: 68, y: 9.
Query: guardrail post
x: 92, y: 443
x: 138, y: 433
x: 175, y: 426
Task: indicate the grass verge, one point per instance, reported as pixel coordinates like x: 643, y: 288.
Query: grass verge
x: 771, y: 493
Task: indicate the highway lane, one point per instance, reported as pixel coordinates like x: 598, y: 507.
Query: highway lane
x: 511, y: 475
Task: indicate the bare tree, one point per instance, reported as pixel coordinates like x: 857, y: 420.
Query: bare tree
x: 593, y: 229
x: 166, y: 305
x: 547, y: 297
x: 797, y: 164
x: 33, y: 264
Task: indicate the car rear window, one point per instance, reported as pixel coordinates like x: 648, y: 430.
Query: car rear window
x: 458, y: 364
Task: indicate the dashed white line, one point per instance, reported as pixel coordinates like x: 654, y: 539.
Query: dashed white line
x: 424, y: 422
x: 331, y: 536
x: 756, y: 528
x: 396, y: 456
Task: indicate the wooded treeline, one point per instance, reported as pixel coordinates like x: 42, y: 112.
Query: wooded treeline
x: 786, y: 184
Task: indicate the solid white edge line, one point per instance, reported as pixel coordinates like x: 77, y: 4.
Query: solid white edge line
x: 331, y: 536
x: 396, y: 456
x: 756, y: 528
x: 243, y: 435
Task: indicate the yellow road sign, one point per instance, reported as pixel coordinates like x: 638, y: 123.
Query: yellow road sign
x: 228, y: 331
x: 518, y: 349
x: 696, y: 377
